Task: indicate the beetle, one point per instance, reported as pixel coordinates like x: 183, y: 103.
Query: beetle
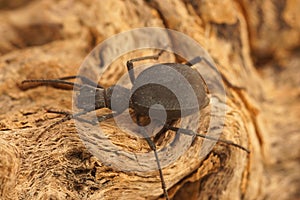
x: 92, y: 96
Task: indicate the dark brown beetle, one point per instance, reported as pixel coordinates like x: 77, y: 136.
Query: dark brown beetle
x: 144, y: 96
x: 93, y: 96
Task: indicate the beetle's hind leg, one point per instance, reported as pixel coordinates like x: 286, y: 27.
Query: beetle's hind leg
x: 191, y: 133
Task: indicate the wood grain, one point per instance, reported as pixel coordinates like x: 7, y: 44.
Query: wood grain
x: 255, y: 46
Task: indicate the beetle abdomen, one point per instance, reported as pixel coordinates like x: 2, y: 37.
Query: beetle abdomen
x: 177, y: 87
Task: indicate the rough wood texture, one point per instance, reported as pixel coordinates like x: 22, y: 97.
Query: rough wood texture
x: 49, y: 39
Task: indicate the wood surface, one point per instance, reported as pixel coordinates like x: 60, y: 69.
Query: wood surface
x: 255, y: 45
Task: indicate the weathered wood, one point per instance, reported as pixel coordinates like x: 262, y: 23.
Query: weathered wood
x: 56, y: 165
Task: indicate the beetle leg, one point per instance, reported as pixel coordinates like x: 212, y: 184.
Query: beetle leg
x: 153, y: 148
x: 77, y: 116
x: 68, y: 116
x: 107, y: 116
x: 191, y: 133
x: 198, y: 59
x: 193, y: 61
x: 129, y: 64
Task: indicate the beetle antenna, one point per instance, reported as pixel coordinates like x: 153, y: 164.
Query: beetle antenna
x: 51, y: 82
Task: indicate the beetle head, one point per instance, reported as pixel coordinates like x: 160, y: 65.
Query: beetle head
x: 90, y: 98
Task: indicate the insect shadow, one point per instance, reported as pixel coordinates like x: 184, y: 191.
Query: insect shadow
x: 140, y: 100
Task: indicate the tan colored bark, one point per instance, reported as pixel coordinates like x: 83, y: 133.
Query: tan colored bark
x: 49, y: 39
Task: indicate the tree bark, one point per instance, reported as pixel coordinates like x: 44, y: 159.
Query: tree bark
x: 50, y: 39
